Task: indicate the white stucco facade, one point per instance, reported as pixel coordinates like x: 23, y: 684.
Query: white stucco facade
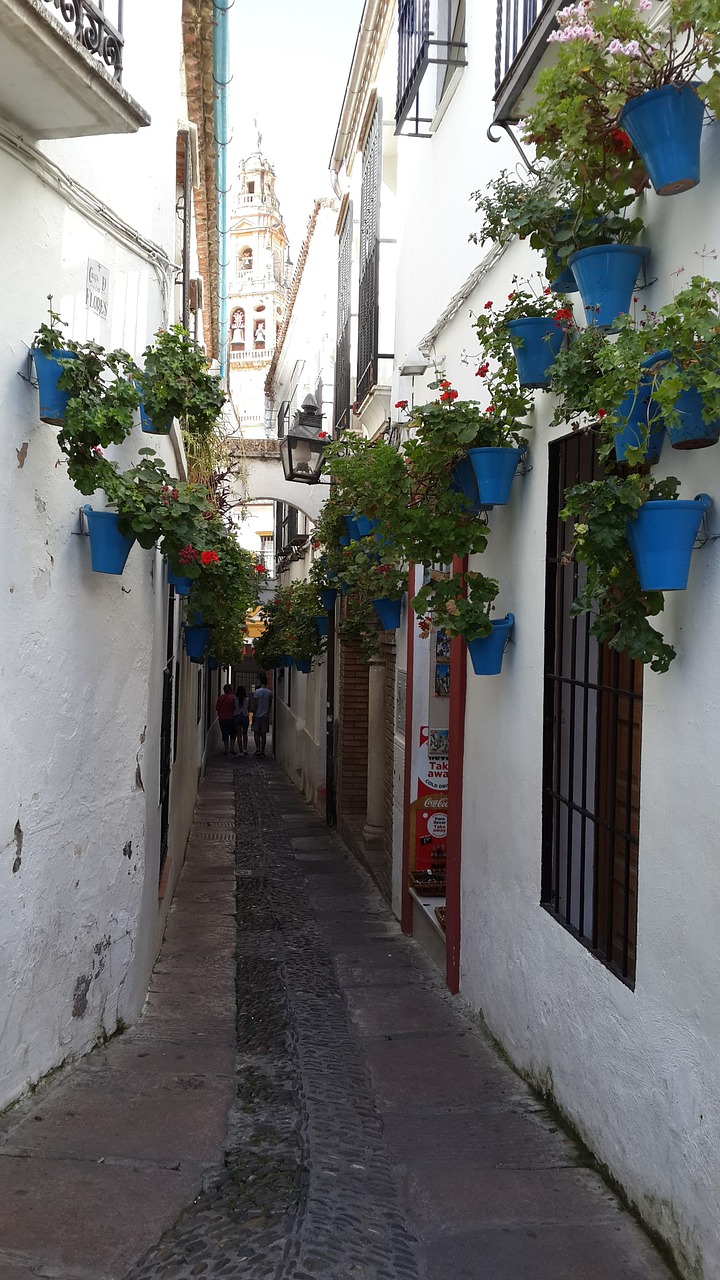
x: 84, y: 654
x: 635, y: 1069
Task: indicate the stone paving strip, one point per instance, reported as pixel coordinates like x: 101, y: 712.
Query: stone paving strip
x: 373, y: 1134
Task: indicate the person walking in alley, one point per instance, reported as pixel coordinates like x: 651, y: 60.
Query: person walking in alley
x: 225, y: 707
x: 262, y: 699
x: 242, y: 719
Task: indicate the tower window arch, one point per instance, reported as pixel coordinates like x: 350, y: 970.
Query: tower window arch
x: 246, y: 258
x: 237, y: 329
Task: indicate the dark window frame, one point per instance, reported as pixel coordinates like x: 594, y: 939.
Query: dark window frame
x: 341, y: 399
x: 369, y: 258
x: 591, y: 750
x: 419, y: 48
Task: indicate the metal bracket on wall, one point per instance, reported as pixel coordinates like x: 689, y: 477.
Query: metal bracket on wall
x: 503, y: 124
x: 29, y: 377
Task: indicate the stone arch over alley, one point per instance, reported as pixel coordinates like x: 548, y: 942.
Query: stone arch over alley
x: 264, y: 481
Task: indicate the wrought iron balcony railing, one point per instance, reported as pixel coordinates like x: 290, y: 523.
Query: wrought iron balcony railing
x: 93, y: 30
x: 523, y: 27
x: 419, y: 48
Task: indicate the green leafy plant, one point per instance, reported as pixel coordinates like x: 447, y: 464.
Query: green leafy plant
x: 608, y: 588
x: 176, y: 383
x: 50, y: 337
x: 607, y: 55
x: 459, y: 604
x: 289, y: 625
x: 100, y: 411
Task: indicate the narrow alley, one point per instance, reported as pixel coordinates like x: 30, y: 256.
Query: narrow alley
x: 364, y: 1126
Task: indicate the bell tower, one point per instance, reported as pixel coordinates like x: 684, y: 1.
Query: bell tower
x: 259, y: 280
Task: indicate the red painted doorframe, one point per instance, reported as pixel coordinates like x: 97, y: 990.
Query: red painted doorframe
x: 406, y: 908
x: 456, y: 764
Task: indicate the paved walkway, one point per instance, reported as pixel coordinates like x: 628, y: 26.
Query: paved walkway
x: 366, y: 1128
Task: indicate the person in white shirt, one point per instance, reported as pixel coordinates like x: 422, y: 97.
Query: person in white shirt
x: 262, y: 699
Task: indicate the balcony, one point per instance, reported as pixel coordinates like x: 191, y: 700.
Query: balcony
x: 258, y: 355
x: 419, y: 48
x: 523, y: 27
x: 61, y: 70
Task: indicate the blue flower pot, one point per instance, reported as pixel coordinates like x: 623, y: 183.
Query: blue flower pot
x: 182, y: 585
x: 643, y: 421
x: 389, y: 612
x: 196, y: 642
x: 536, y: 341
x: 606, y: 276
x: 692, y: 432
x: 286, y: 660
x: 328, y: 596
x: 148, y: 425
x: 109, y: 548
x: 304, y: 665
x: 345, y: 540
x: 212, y: 664
x: 661, y: 539
x: 462, y: 480
x: 351, y: 525
x: 366, y: 526
x: 665, y: 126
x: 486, y: 654
x: 564, y: 281
x: 322, y: 624
x: 494, y: 470
x: 53, y: 401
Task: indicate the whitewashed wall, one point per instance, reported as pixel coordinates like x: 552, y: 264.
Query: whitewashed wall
x: 83, y: 653
x: 636, y: 1071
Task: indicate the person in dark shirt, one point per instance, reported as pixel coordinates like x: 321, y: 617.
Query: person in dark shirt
x: 225, y: 707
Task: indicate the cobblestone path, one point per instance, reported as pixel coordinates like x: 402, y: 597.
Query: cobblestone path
x: 375, y: 1132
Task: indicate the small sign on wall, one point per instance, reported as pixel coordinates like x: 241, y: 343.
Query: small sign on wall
x: 97, y: 288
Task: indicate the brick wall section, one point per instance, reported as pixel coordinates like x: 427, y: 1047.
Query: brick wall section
x: 353, y: 733
x: 197, y: 23
x: 388, y: 653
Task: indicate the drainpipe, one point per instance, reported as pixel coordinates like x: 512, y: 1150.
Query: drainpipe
x: 456, y: 768
x: 221, y: 77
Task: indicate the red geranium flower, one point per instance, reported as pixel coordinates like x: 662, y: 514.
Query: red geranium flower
x: 620, y: 140
x: 446, y: 383
x: 602, y: 413
x: 483, y: 369
x: 564, y: 313
x: 488, y: 306
x: 187, y: 555
x: 401, y: 404
x: 259, y: 568
x: 209, y: 557
x: 490, y: 408
x: 511, y: 296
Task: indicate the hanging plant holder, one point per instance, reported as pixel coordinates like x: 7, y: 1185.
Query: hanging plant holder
x: 328, y: 596
x: 494, y: 470
x: 181, y: 584
x: 197, y: 639
x: 303, y: 665
x: 389, y: 612
x: 486, y: 654
x: 606, y: 275
x: 366, y: 526
x: 692, y: 431
x: 665, y: 127
x: 643, y: 422
x: 662, y: 538
x: 322, y: 624
x: 536, y: 341
x: 109, y: 548
x: 53, y: 400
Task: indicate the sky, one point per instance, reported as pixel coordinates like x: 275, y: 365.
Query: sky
x: 290, y: 61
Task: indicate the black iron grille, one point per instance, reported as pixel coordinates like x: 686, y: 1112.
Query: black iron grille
x: 592, y: 737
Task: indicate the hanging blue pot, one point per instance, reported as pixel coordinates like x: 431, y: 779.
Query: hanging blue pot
x: 322, y: 624
x: 366, y: 526
x: 148, y: 425
x: 328, y: 596
x: 351, y: 525
x: 642, y: 421
x: 606, y: 276
x: 109, y: 548
x: 344, y: 541
x: 564, y: 281
x: 494, y: 470
x: 389, y: 612
x: 181, y: 584
x: 462, y: 480
x: 53, y: 401
x: 692, y: 432
x: 665, y: 127
x: 196, y: 642
x: 304, y: 665
x: 286, y: 660
x: 661, y: 539
x: 212, y: 664
x: 486, y: 654
x: 536, y: 341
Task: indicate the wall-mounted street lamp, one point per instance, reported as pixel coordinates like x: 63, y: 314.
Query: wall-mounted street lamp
x: 302, y: 449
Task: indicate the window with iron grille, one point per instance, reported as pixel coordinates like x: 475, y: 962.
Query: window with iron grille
x: 430, y: 33
x: 522, y: 29
x: 369, y: 258
x: 282, y: 419
x: 592, y: 737
x: 341, y: 401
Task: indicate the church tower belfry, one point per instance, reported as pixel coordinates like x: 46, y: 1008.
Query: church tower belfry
x: 259, y: 280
